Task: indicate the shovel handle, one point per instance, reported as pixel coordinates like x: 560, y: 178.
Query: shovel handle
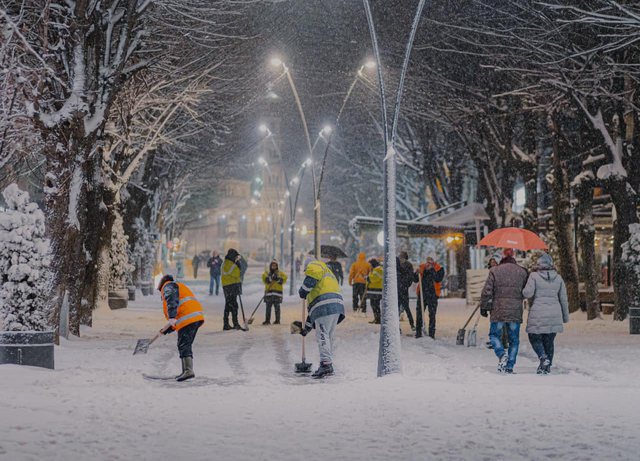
x: 471, y: 316
x: 304, y: 308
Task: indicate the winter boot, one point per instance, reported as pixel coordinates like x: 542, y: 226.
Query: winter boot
x: 502, y: 364
x: 546, y: 367
x: 237, y: 327
x: 325, y: 369
x: 277, y: 309
x: 226, y: 327
x: 540, y: 369
x: 187, y: 369
x: 266, y: 322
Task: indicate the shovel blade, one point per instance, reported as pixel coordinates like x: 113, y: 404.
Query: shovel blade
x: 303, y: 367
x: 472, y: 339
x: 142, y: 346
x: 460, y: 337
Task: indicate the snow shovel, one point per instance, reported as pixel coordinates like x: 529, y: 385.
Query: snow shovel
x: 303, y: 367
x: 244, y: 319
x: 250, y: 321
x: 462, y: 331
x: 472, y: 337
x: 142, y: 346
x: 424, y: 330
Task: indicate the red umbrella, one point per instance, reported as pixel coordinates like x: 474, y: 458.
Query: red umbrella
x: 513, y: 237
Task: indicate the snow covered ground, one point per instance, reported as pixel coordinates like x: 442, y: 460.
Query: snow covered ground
x: 247, y: 404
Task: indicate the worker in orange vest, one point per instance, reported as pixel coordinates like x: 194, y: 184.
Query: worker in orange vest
x: 184, y: 314
x: 432, y: 275
x: 358, y: 279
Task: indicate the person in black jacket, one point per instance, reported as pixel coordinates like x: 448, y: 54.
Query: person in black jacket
x: 404, y: 270
x: 215, y: 267
x: 336, y: 268
x: 432, y: 275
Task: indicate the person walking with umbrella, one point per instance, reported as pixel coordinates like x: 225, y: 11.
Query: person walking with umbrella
x: 549, y: 310
x: 502, y: 298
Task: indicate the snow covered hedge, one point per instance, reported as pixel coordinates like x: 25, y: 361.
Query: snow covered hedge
x: 120, y: 269
x: 24, y: 264
x: 631, y: 261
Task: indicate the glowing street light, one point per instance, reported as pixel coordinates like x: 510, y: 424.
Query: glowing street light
x: 264, y: 129
x: 276, y: 62
x: 327, y: 129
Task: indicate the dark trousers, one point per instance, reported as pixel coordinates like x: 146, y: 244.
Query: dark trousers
x: 403, y: 304
x: 542, y: 344
x: 186, y: 336
x: 276, y: 307
x: 195, y: 272
x: 431, y: 305
x: 231, y: 293
x: 358, y: 294
x: 375, y: 307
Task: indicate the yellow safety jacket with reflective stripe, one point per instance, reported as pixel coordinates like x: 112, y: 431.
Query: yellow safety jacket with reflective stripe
x: 189, y: 308
x: 327, y: 282
x: 274, y: 288
x: 230, y: 273
x: 374, y: 281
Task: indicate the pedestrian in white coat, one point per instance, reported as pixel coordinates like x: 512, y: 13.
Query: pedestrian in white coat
x: 549, y: 310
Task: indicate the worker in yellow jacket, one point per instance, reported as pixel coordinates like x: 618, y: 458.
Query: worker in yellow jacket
x: 233, y: 268
x: 274, y: 280
x: 374, y: 289
x: 184, y: 314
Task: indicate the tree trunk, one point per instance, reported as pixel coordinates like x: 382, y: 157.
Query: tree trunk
x: 625, y: 203
x: 562, y: 220
x: 587, y: 234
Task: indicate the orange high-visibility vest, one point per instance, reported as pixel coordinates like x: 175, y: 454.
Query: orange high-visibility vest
x: 189, y: 308
x: 436, y: 285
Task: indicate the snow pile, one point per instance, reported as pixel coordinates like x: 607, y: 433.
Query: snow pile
x: 120, y: 269
x: 631, y: 262
x: 24, y: 264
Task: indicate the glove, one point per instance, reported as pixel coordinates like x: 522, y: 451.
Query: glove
x: 169, y: 327
x: 296, y: 327
x: 279, y: 280
x: 484, y: 312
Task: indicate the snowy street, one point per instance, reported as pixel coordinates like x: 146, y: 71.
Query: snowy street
x: 247, y: 403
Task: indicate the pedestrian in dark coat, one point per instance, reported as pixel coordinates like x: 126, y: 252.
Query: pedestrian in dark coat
x: 336, y: 268
x: 195, y: 264
x: 502, y: 298
x: 432, y: 275
x: 215, y: 265
x: 404, y: 269
x: 549, y: 310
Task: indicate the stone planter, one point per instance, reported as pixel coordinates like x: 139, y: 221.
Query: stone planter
x: 32, y: 348
x: 118, y: 299
x: 132, y: 292
x: 146, y: 288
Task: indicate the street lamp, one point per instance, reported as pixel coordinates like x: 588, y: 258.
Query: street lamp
x: 277, y: 62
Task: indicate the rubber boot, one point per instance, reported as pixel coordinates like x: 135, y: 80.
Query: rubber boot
x: 187, y: 369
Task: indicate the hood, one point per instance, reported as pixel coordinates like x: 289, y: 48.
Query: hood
x: 548, y: 274
x: 274, y: 261
x: 232, y: 254
x: 508, y: 260
x: 545, y: 262
x: 362, y: 257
